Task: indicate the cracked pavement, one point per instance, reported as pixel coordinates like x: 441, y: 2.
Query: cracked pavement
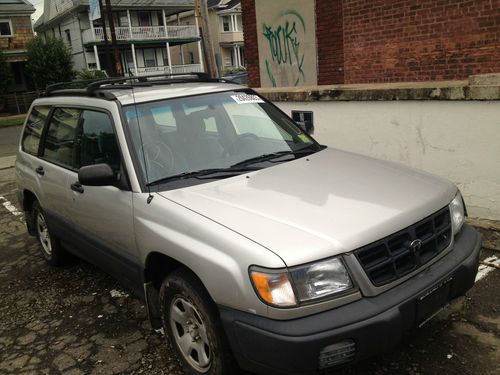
x: 66, y: 320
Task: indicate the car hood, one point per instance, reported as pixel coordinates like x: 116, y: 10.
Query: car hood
x: 318, y: 206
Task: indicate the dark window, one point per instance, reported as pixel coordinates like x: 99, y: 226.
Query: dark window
x: 96, y: 141
x: 68, y: 36
x: 60, y: 138
x: 191, y: 57
x: 149, y: 57
x: 33, y: 129
x: 5, y: 28
x: 226, y: 23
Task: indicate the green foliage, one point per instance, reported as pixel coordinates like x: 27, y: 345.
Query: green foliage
x: 5, y: 74
x: 49, y: 61
x: 91, y: 74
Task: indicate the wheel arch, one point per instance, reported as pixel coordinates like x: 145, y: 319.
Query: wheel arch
x: 156, y: 267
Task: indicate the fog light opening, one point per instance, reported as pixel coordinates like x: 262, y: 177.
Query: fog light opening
x: 336, y: 354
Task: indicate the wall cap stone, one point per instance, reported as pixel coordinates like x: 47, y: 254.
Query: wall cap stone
x: 479, y: 87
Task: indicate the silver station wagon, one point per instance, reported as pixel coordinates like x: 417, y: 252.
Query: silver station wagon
x: 252, y: 245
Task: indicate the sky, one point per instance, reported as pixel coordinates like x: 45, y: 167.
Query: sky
x: 38, y: 4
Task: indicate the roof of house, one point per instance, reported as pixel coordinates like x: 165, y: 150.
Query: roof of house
x: 16, y: 7
x: 220, y: 4
x: 50, y: 13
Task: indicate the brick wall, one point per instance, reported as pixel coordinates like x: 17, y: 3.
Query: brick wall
x: 374, y: 41
x: 420, y: 40
x: 251, y: 47
x: 22, y: 34
x: 329, y: 34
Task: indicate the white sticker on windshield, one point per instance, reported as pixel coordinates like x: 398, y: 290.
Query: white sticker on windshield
x: 243, y: 98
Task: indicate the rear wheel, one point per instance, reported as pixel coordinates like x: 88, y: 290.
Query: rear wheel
x: 49, y: 244
x: 193, y: 327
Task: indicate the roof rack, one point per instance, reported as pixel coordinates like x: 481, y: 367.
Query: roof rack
x: 96, y: 88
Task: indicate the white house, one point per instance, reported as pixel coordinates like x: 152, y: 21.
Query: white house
x: 143, y: 40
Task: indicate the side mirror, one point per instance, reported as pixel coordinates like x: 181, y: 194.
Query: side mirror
x: 97, y: 175
x: 304, y: 120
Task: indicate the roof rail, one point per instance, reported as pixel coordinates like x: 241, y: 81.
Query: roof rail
x: 91, y: 87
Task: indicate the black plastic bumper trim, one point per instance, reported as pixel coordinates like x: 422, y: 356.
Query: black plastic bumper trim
x: 269, y: 346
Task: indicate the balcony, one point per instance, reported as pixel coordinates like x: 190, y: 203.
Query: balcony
x: 141, y: 33
x: 176, y: 69
x: 229, y: 37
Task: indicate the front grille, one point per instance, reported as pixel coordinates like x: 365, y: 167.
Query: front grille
x: 392, y: 257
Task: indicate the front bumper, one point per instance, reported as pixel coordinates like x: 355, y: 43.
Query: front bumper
x: 373, y: 324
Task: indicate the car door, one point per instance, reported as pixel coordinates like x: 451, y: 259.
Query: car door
x: 54, y: 170
x: 103, y: 214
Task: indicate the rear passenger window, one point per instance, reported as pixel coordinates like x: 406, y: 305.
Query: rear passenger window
x: 96, y: 141
x: 34, y: 128
x: 60, y: 139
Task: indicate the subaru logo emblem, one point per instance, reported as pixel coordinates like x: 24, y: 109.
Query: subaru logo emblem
x: 415, y: 245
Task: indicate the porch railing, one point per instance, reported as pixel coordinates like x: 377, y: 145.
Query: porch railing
x: 189, y: 68
x: 141, y: 33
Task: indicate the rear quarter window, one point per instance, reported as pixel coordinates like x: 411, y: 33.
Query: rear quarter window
x: 33, y: 129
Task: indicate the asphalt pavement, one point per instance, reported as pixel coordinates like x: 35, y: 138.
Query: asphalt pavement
x: 77, y: 320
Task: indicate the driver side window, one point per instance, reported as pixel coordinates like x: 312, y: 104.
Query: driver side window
x: 96, y: 141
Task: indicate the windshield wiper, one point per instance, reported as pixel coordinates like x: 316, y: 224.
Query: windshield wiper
x: 274, y: 155
x: 200, y: 174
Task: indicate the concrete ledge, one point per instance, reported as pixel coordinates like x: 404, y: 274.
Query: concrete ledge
x: 482, y: 87
x: 7, y: 162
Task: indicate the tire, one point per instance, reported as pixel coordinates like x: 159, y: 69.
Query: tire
x: 193, y: 328
x: 49, y: 244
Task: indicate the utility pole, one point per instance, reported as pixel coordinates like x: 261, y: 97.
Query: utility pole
x: 110, y: 65
x: 116, y: 53
x: 201, y: 13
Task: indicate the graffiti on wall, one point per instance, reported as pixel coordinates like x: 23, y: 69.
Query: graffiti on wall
x: 284, y: 43
x: 287, y: 42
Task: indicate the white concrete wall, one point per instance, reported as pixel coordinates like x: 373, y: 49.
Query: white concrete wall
x: 459, y: 140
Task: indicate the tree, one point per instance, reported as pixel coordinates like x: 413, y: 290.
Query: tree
x: 49, y: 61
x: 5, y: 74
x: 87, y: 75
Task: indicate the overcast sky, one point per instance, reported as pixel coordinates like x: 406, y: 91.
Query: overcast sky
x: 38, y: 4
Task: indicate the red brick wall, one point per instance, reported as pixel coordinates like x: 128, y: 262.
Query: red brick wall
x: 251, y: 47
x: 329, y: 37
x: 362, y: 41
x: 420, y: 40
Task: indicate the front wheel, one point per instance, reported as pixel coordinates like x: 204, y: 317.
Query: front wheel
x: 49, y: 244
x: 193, y: 327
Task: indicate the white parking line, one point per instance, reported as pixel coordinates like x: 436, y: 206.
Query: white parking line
x: 10, y: 207
x: 485, y: 269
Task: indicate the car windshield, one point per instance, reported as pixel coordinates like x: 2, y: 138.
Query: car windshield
x: 218, y: 132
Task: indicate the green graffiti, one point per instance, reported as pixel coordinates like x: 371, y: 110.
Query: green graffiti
x: 284, y: 44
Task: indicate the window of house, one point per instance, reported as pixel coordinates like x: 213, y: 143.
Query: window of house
x: 144, y: 19
x: 6, y: 28
x: 164, y: 54
x: 68, y: 36
x: 60, y: 139
x: 149, y: 57
x: 191, y: 57
x: 122, y: 19
x: 226, y: 23
x: 34, y: 128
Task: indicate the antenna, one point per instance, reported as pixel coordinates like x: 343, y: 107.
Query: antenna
x: 150, y: 196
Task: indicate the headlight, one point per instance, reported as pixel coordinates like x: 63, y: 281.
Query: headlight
x: 457, y: 211
x: 313, y: 281
x: 322, y: 279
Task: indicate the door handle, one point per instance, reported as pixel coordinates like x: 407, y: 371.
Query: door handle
x: 78, y: 187
x: 40, y: 171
